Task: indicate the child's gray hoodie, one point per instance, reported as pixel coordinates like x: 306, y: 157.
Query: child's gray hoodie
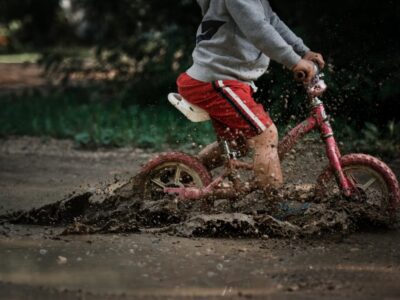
x: 237, y: 39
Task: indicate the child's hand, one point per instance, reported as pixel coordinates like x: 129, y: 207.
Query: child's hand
x: 305, y: 68
x: 316, y: 58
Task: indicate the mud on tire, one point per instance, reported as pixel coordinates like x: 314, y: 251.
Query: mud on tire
x: 367, y: 162
x: 171, y: 169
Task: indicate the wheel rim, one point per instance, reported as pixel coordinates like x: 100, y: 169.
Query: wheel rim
x: 169, y: 175
x: 370, y: 184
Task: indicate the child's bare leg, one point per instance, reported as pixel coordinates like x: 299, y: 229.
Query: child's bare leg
x: 267, y: 166
x: 211, y: 156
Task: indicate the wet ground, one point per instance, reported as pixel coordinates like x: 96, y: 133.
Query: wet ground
x: 36, y: 261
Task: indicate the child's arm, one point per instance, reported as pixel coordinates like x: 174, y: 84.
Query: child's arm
x: 288, y: 35
x: 292, y: 39
x: 250, y: 17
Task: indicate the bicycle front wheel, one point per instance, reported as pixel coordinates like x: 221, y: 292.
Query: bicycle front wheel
x: 374, y: 180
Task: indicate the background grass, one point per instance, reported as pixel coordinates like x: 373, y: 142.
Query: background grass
x: 92, y: 122
x: 99, y: 123
x: 19, y: 58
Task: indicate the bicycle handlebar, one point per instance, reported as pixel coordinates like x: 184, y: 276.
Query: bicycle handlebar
x: 302, y: 75
x: 316, y: 87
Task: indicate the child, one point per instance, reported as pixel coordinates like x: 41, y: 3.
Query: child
x: 235, y: 42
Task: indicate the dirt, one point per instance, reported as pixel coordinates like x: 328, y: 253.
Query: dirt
x: 16, y: 76
x: 255, y: 215
x: 146, y: 257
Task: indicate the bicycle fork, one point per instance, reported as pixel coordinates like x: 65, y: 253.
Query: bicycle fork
x: 332, y: 149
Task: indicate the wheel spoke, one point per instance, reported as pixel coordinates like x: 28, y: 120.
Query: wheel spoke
x: 368, y: 184
x: 174, y: 174
x: 158, y: 182
x: 177, y: 176
x: 352, y: 178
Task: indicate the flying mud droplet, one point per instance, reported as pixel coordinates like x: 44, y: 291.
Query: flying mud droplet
x: 43, y: 251
x: 62, y: 260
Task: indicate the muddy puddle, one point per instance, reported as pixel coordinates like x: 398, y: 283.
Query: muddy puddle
x: 290, y: 213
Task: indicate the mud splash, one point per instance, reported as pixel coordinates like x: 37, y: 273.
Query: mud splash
x: 290, y: 213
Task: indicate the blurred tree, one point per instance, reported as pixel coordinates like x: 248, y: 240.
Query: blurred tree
x: 149, y: 42
x: 146, y: 41
x: 34, y: 23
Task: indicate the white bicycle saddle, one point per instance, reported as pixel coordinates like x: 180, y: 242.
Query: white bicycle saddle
x: 192, y: 112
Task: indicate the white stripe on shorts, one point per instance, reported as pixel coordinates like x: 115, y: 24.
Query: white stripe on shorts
x: 242, y: 105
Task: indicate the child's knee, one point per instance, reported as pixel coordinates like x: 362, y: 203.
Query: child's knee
x: 268, y: 138
x: 272, y: 132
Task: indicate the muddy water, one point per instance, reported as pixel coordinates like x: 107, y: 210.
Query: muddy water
x: 153, y: 266
x: 289, y: 213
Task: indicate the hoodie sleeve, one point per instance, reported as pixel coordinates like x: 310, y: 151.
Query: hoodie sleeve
x: 204, y: 5
x: 250, y: 17
x: 288, y: 35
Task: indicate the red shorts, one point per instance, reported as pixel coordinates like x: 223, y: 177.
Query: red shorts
x: 231, y: 106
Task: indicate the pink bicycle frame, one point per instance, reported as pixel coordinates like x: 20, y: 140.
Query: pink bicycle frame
x: 318, y: 121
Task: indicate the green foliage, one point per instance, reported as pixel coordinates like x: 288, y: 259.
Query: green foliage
x: 147, y: 43
x: 99, y: 123
x: 93, y: 121
x: 19, y: 58
x: 379, y: 140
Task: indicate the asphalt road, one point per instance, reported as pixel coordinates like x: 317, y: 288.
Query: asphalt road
x: 36, y: 263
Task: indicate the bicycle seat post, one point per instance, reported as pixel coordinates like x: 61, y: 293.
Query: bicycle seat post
x: 230, y: 155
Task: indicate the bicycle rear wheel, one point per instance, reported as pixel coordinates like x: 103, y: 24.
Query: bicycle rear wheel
x: 173, y: 169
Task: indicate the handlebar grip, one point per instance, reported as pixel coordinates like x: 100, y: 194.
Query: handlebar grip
x: 300, y: 76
